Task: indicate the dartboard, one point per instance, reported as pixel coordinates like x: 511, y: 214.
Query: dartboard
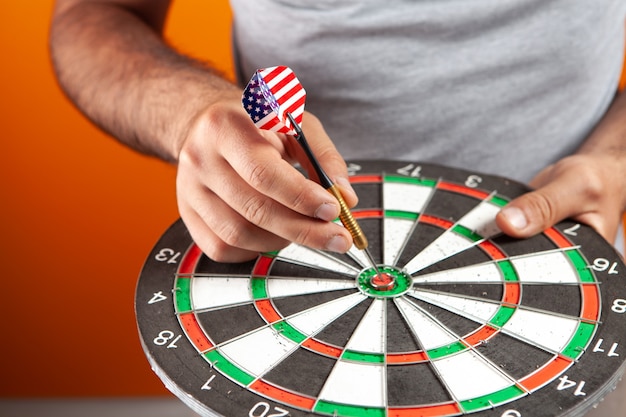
x: 461, y: 319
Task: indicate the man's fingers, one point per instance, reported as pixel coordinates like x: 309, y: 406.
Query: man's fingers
x: 223, y: 234
x: 242, y: 216
x: 572, y: 188
x: 329, y: 158
x: 268, y: 214
x: 529, y: 214
x: 257, y: 161
x: 238, y: 194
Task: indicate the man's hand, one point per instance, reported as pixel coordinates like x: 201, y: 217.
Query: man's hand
x: 239, y: 194
x: 237, y: 190
x: 587, y: 188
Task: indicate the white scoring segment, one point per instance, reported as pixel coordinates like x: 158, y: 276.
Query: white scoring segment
x: 396, y: 233
x: 286, y: 287
x: 430, y: 333
x: 369, y: 336
x: 358, y: 256
x: 475, y: 310
x: 482, y: 219
x: 357, y: 383
x: 545, y: 268
x: 314, y: 259
x: 361, y: 383
x: 479, y: 273
x: 468, y: 376
x: 313, y: 320
x: 259, y: 351
x: 541, y: 329
x: 405, y: 197
x: 441, y: 248
x: 232, y: 291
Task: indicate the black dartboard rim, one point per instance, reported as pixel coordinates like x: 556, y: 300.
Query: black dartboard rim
x: 474, y: 323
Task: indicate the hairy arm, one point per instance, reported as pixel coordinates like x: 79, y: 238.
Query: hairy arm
x: 237, y: 190
x: 111, y: 61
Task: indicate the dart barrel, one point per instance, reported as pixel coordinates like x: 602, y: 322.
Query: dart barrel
x: 348, y: 220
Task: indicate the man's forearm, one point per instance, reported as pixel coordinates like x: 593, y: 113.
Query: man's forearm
x: 609, y: 136
x: 608, y: 140
x: 115, y: 67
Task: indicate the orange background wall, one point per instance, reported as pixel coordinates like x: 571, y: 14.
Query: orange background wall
x: 79, y: 214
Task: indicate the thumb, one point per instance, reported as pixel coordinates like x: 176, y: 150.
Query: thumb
x: 582, y: 187
x: 535, y: 211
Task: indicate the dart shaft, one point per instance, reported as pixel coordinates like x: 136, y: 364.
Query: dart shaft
x: 350, y: 223
x: 345, y: 215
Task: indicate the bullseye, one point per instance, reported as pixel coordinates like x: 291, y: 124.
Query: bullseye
x: 390, y: 282
x: 383, y: 282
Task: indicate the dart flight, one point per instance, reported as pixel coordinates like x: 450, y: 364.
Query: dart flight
x: 270, y: 95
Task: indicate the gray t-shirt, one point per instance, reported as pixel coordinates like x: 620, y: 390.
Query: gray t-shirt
x: 498, y: 86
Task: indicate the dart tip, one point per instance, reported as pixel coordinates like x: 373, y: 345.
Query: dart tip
x: 379, y: 277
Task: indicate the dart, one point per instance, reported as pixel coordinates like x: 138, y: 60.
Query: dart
x: 274, y: 99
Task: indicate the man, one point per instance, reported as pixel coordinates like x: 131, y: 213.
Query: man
x: 524, y: 89
x: 498, y: 82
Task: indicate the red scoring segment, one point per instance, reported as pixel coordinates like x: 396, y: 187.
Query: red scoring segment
x: 546, y: 373
x: 190, y: 260
x: 591, y: 305
x: 279, y: 394
x: 383, y: 281
x: 441, y: 410
x: 448, y: 186
x: 196, y: 335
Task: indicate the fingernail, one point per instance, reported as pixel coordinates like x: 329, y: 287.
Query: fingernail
x: 337, y: 244
x: 515, y: 217
x: 327, y: 212
x: 345, y: 185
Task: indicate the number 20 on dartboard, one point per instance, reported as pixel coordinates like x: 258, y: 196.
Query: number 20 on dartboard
x: 263, y: 409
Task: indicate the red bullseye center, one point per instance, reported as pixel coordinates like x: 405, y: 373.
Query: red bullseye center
x: 383, y: 281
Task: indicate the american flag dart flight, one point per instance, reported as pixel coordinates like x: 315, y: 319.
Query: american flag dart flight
x: 270, y: 95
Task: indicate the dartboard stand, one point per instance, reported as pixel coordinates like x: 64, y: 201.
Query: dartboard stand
x: 469, y: 321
